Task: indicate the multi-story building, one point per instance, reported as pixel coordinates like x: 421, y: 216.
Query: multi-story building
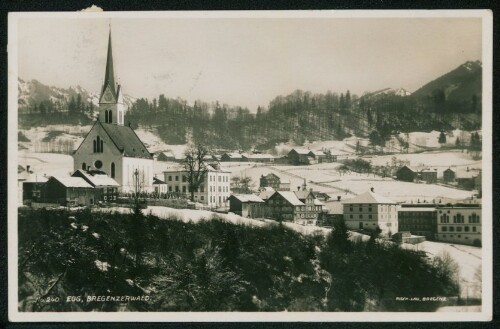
x: 275, y: 182
x: 287, y: 206
x: 459, y: 224
x: 418, y: 220
x: 214, y: 191
x: 369, y: 211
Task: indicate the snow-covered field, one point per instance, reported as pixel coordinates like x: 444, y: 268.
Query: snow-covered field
x: 155, y: 144
x: 469, y: 259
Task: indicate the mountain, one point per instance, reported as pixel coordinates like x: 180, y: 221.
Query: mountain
x: 34, y: 92
x: 459, y: 85
x: 389, y: 91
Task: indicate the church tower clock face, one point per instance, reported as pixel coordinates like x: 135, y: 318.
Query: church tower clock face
x: 107, y: 96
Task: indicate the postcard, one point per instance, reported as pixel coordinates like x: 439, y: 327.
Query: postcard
x: 236, y: 166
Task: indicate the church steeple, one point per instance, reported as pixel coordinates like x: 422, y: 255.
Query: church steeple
x: 111, y: 107
x: 109, y: 75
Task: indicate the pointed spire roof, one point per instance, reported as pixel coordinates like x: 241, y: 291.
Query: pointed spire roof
x: 109, y: 75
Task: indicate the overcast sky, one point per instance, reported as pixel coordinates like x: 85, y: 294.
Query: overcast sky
x: 246, y: 61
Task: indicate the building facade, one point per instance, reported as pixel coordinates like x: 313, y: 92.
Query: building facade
x: 214, y: 191
x: 369, y: 211
x: 449, y: 175
x: 459, y: 224
x: 418, y: 220
x: 113, y: 147
x: 247, y: 205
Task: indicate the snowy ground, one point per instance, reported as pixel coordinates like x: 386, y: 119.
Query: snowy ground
x: 469, y: 259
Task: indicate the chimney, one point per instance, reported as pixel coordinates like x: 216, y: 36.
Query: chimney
x: 88, y: 168
x: 372, y: 189
x: 339, y: 197
x: 28, y: 169
x: 298, y: 188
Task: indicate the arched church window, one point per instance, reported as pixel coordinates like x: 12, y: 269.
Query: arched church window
x: 102, y: 146
x: 112, y: 170
x: 84, y: 166
x: 95, y: 146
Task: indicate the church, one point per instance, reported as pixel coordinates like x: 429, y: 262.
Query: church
x: 112, y: 147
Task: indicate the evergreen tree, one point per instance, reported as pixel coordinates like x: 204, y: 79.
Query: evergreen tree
x: 442, y: 138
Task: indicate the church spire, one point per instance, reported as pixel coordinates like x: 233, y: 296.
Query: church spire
x: 109, y: 76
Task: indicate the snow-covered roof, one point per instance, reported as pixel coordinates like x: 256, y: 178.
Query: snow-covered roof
x: 70, y: 181
x: 301, y: 151
x: 33, y: 178
x: 96, y: 179
x: 432, y: 170
x: 260, y: 156
x: 334, y: 207
x: 158, y: 181
x: 410, y: 209
x: 318, y: 203
x: 466, y: 174
x: 317, y: 153
x: 247, y: 198
x: 291, y: 198
x: 370, y: 197
x: 285, y: 181
x: 266, y: 194
x: 303, y: 194
x: 235, y: 155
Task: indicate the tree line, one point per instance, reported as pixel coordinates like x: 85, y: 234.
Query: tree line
x: 298, y: 117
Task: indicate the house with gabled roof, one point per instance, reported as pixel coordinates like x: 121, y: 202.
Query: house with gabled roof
x: 370, y: 210
x: 106, y: 188
x: 111, y: 146
x: 247, y: 205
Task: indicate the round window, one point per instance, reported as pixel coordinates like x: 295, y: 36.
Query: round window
x: 98, y: 164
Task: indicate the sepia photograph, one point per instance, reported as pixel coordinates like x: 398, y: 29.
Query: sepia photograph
x: 250, y: 166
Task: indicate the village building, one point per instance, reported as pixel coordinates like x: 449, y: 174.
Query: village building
x: 166, y: 156
x: 214, y: 191
x: 428, y: 175
x: 266, y: 192
x: 233, y: 157
x: 318, y: 156
x: 300, y: 156
x: 459, y: 224
x: 407, y: 174
x: 469, y: 179
x: 418, y: 220
x: 275, y: 182
x: 113, y: 147
x: 300, y: 207
x: 105, y: 188
x: 160, y: 187
x: 68, y: 191
x: 369, y: 211
x: 449, y: 175
x: 247, y: 205
x: 31, y: 186
x: 333, y: 212
x: 260, y: 157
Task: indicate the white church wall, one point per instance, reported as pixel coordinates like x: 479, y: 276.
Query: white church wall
x: 145, y: 169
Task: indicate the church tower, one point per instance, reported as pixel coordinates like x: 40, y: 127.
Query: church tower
x: 111, y: 106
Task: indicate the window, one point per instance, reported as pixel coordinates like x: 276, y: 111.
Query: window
x: 452, y: 229
x: 98, y: 145
x: 184, y: 189
x: 176, y: 178
x: 473, y: 218
x: 459, y: 229
x: 350, y: 209
x: 177, y: 189
x: 473, y: 229
x: 202, y: 198
x: 218, y: 178
x: 169, y: 178
x: 202, y: 188
x: 370, y: 216
x: 112, y: 170
x: 360, y: 216
x: 84, y: 166
x: 170, y: 188
x: 98, y: 164
x: 184, y: 179
x: 350, y: 216
x: 444, y: 229
x: 466, y: 229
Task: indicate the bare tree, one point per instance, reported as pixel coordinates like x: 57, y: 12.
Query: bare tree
x: 195, y: 167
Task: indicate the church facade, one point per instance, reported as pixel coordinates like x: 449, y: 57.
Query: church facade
x: 113, y: 147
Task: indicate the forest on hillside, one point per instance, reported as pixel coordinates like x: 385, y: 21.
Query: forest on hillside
x: 299, y: 117
x: 65, y: 257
